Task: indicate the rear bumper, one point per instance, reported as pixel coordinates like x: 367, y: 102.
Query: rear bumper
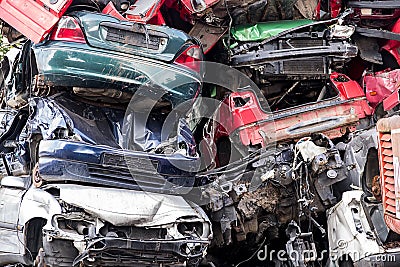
x: 109, y: 251
x: 79, y: 65
x: 331, y: 117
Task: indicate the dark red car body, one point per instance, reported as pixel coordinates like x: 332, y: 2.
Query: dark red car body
x: 34, y: 19
x: 383, y: 87
x: 393, y: 46
x: 254, y: 126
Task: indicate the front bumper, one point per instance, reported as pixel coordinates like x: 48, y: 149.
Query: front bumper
x: 109, y: 251
x: 125, y: 252
x: 70, y: 161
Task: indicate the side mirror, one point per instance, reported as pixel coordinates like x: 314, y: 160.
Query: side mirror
x: 17, y: 182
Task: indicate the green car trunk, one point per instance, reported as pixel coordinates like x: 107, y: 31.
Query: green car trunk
x: 119, y: 55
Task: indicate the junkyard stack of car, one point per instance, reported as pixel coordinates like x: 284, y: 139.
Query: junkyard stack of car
x: 122, y: 144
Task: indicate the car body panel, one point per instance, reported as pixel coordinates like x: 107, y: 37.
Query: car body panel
x: 71, y: 162
x: 349, y: 230
x: 34, y: 19
x: 159, y: 212
x: 331, y: 116
x: 147, y: 12
x: 58, y: 65
x: 380, y: 86
x: 96, y: 26
x: 391, y: 101
x: 186, y: 9
x: 92, y: 144
x: 9, y: 209
x: 393, y: 46
x: 375, y: 10
x: 118, y: 55
x: 154, y: 209
x: 261, y: 31
x: 28, y: 205
x: 145, y: 221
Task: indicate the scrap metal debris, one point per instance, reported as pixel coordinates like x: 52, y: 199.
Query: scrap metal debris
x: 106, y: 159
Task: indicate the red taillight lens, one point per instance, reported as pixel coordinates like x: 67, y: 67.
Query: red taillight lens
x: 68, y: 30
x: 191, y: 58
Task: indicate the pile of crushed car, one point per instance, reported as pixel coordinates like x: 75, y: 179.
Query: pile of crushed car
x: 112, y: 153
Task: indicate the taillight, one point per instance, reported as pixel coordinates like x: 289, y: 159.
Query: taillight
x: 191, y: 58
x: 68, y: 30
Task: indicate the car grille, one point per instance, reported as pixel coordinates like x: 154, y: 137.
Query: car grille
x: 299, y: 43
x: 303, y: 66
x: 124, y: 176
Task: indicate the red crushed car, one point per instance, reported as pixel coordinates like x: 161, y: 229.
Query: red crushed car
x: 383, y: 87
x: 34, y: 19
x: 338, y: 108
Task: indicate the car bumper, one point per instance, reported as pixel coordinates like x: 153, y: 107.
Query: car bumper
x: 68, y: 161
x: 109, y: 251
x: 79, y: 65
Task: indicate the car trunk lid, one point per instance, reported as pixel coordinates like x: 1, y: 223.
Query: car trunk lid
x: 109, y: 33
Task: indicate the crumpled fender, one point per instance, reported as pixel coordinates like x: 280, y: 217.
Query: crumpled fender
x: 38, y: 203
x: 380, y: 85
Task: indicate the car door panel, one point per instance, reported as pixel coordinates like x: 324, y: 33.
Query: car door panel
x: 10, y: 200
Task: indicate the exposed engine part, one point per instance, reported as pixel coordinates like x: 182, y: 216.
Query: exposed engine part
x: 296, y: 55
x: 327, y: 166
x: 288, y: 187
x: 237, y: 206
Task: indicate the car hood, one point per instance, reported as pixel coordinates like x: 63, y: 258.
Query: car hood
x: 261, y: 31
x: 61, y: 117
x: 128, y: 207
